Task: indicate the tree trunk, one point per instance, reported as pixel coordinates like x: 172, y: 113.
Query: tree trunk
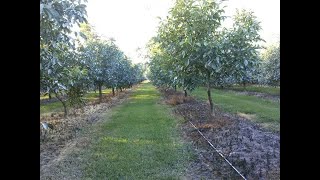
x: 63, y: 103
x: 185, y: 93
x: 120, y: 89
x: 244, y: 85
x: 100, y: 93
x: 175, y: 88
x: 113, y: 91
x: 50, y: 95
x: 65, y: 108
x: 209, y: 95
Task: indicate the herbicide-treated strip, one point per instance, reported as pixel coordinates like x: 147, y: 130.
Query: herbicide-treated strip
x: 218, y: 151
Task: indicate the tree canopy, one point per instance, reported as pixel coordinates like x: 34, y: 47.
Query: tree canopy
x: 192, y: 48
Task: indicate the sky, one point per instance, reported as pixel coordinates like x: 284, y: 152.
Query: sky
x: 133, y: 22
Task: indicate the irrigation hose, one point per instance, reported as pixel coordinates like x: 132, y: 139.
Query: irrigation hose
x: 217, y: 151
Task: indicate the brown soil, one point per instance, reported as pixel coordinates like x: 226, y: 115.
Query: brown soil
x: 254, y: 151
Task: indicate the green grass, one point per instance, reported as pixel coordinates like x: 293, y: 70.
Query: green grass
x: 57, y: 106
x: 51, y: 107
x: 140, y: 142
x: 255, y: 88
x: 46, y: 96
x: 257, y: 109
x: 95, y: 95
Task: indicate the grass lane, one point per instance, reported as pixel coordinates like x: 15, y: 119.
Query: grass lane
x: 57, y: 106
x: 140, y: 142
x: 255, y: 88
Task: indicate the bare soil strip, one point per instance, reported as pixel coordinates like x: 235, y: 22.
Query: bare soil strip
x: 253, y: 150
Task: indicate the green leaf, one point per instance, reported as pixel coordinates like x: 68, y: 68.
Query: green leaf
x: 214, y: 66
x: 187, y: 63
x: 183, y: 54
x: 83, y: 35
x: 245, y: 62
x: 217, y: 59
x: 55, y: 14
x: 41, y: 8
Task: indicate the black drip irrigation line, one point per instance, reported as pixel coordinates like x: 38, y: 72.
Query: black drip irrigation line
x: 217, y: 151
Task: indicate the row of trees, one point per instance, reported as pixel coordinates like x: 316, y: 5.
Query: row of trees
x: 192, y: 49
x: 108, y: 65
x: 269, y: 69
x: 71, y: 62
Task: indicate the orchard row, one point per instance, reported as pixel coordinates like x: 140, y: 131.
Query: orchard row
x: 73, y: 63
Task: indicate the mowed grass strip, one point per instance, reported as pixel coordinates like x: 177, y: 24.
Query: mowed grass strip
x: 141, y: 141
x: 262, y: 111
x: 51, y: 107
x: 256, y: 88
x: 57, y: 106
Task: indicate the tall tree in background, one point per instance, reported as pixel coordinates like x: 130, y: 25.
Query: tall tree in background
x: 243, y: 46
x: 271, y: 65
